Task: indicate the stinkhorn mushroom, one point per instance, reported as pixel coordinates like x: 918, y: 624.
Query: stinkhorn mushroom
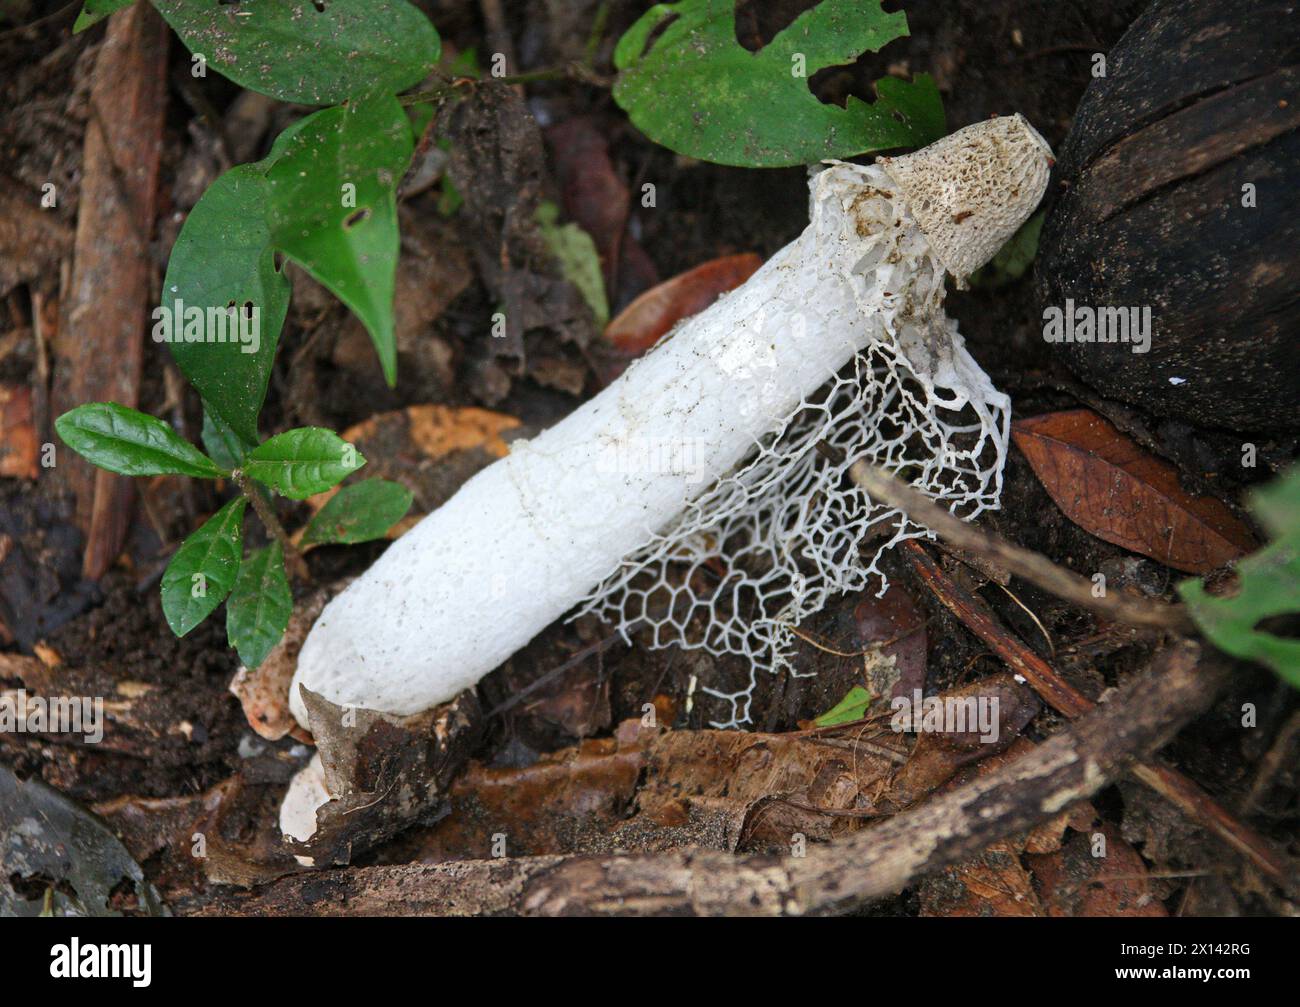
x: 689, y: 496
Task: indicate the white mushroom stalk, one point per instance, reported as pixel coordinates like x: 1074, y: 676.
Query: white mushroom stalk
x: 689, y: 495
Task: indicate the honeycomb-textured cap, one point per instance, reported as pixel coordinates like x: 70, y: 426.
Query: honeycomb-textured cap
x: 973, y: 189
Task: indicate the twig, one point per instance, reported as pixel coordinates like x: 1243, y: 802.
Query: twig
x: 564, y: 71
x: 105, y: 306
x: 1271, y: 764
x: 1194, y: 802
x: 292, y: 557
x: 597, y: 34
x: 1032, y: 566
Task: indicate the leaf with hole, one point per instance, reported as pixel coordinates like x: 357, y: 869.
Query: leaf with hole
x: 1268, y: 588
x: 688, y: 84
x: 203, y: 570
x: 314, y: 52
x: 333, y: 207
x: 131, y: 443
x: 257, y: 613
x: 358, y: 513
x: 94, y: 11
x: 224, y: 301
x: 304, y: 461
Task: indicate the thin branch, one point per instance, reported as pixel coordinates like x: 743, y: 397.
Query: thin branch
x: 1185, y: 795
x: 1033, y: 567
x: 564, y: 71
x: 292, y: 557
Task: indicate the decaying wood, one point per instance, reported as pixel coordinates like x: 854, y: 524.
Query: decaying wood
x: 100, y: 343
x: 837, y: 877
x: 1190, y: 798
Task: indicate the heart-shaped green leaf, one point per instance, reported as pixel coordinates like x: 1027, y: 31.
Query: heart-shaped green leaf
x: 359, y: 513
x: 333, y: 207
x: 695, y: 89
x: 304, y: 461
x: 258, y: 611
x: 203, y: 570
x: 315, y: 52
x: 94, y: 11
x: 224, y: 302
x: 131, y: 443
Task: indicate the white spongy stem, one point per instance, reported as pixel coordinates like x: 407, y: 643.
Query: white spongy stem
x: 527, y: 538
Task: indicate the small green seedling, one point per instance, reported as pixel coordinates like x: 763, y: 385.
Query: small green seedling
x: 210, y: 566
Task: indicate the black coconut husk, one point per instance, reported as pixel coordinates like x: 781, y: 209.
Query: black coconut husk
x: 1198, y: 100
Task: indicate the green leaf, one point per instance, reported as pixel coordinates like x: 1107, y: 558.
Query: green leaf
x: 696, y: 90
x: 131, y: 443
x: 1014, y: 258
x: 94, y: 11
x: 225, y: 446
x: 1268, y: 586
x: 203, y: 570
x: 359, y: 513
x: 224, y: 257
x: 852, y: 707
x: 333, y: 207
x: 313, y: 53
x: 579, y: 260
x: 304, y: 461
x: 258, y: 611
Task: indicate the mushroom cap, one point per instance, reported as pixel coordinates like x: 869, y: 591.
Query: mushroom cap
x: 973, y: 189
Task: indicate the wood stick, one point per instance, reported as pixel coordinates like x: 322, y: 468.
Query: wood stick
x: 1033, y: 567
x: 100, y: 342
x: 1187, y: 796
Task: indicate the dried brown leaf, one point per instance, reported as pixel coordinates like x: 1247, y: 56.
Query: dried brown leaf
x: 641, y: 324
x: 1076, y: 882
x: 1112, y: 488
x: 993, y: 884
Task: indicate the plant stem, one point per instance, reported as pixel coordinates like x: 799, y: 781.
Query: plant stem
x: 565, y: 71
x: 292, y: 557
